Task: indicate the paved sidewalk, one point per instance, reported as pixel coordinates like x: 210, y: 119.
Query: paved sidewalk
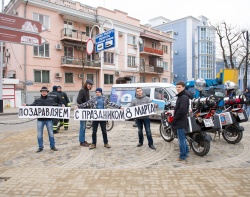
x: 123, y: 170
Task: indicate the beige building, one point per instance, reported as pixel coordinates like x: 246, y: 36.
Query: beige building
x: 141, y: 54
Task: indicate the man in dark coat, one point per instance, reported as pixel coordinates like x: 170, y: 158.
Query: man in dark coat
x: 65, y: 100
x: 83, y: 96
x: 180, y: 120
x: 56, y: 96
x: 44, y: 100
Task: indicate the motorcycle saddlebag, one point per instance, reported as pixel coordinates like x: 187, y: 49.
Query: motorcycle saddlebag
x: 241, y: 117
x: 192, y: 125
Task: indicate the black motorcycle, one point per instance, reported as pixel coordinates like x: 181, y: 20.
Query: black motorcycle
x: 196, y: 134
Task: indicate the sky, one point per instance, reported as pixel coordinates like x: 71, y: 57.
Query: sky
x: 232, y: 12
x: 236, y: 13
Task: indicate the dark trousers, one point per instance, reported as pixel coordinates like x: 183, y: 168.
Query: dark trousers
x: 64, y: 122
x: 104, y: 132
x: 55, y: 121
x: 146, y: 123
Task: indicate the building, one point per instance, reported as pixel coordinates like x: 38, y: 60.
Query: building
x: 140, y: 54
x: 193, y: 49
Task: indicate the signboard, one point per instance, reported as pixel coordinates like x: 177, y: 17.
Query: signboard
x: 90, y: 46
x: 105, y: 40
x: 21, y: 23
x: 19, y: 37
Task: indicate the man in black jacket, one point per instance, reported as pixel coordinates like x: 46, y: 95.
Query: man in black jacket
x: 56, y: 96
x: 44, y: 100
x: 83, y: 96
x: 180, y: 120
x: 65, y: 100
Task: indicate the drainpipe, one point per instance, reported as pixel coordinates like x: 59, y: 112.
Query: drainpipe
x: 25, y: 61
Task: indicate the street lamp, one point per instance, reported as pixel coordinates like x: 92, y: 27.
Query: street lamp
x: 246, y: 69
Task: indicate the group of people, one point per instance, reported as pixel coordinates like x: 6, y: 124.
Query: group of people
x: 59, y: 98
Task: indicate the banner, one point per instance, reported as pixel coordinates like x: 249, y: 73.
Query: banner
x: 44, y: 112
x: 115, y: 114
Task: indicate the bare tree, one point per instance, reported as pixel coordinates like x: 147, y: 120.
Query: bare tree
x: 232, y: 45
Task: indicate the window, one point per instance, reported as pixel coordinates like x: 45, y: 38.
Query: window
x: 131, y: 39
x: 142, y: 79
x: 90, y: 76
x: 109, y: 57
x: 68, y: 26
x: 41, y: 51
x: 154, y: 45
x: 153, y: 79
x: 165, y: 65
x: 133, y: 79
x: 42, y: 19
x: 69, y: 77
x: 131, y: 61
x: 165, y: 48
x: 88, y: 29
x: 41, y: 76
x: 161, y: 94
x: 159, y: 63
x: 164, y: 80
x: 108, y: 79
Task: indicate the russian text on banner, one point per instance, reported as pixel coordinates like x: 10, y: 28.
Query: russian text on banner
x: 44, y: 112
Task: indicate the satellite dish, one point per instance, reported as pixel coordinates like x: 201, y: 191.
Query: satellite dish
x: 140, y: 40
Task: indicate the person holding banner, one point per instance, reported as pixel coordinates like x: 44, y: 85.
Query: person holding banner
x: 99, y: 102
x: 141, y: 99
x: 180, y: 121
x: 44, y: 100
x: 83, y: 96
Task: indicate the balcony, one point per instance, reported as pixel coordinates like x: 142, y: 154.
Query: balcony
x: 151, y: 51
x: 77, y: 62
x: 68, y: 34
x: 151, y: 70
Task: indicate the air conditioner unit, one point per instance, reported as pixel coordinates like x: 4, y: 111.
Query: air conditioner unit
x: 120, y: 33
x: 135, y: 46
x: 80, y: 75
x: 58, y: 75
x: 58, y: 47
x: 117, y: 72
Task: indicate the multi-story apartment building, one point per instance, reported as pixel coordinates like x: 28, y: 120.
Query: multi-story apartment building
x: 140, y: 53
x: 193, y: 49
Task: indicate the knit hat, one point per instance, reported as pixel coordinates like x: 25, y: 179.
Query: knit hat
x: 89, y: 81
x: 44, y: 89
x: 98, y: 90
x: 54, y: 88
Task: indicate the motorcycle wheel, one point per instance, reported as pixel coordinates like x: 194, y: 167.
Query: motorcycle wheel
x: 166, y: 134
x: 199, y: 145
x: 109, y: 125
x: 88, y: 124
x: 232, y: 134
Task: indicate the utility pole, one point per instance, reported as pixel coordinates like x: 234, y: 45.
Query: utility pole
x: 1, y: 71
x: 246, y: 69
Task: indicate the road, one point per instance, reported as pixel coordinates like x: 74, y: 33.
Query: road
x: 123, y: 170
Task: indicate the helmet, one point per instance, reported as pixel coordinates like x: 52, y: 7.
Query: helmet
x: 200, y: 84
x: 229, y: 85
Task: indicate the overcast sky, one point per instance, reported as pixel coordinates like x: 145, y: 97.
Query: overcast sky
x: 235, y: 12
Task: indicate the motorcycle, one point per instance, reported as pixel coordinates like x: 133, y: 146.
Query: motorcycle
x: 231, y: 118
x: 196, y: 135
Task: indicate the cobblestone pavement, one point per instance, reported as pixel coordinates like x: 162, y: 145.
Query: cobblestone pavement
x: 123, y: 170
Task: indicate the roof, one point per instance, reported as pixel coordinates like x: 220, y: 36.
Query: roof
x: 164, y: 85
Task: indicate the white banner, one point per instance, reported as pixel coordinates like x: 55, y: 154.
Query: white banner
x: 115, y: 114
x: 44, y: 112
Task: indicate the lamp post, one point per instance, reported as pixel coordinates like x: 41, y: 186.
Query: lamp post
x: 246, y: 69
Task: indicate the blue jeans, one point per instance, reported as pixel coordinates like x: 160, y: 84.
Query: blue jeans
x: 248, y: 110
x: 146, y: 123
x: 82, y: 131
x: 49, y: 126
x: 182, y: 143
